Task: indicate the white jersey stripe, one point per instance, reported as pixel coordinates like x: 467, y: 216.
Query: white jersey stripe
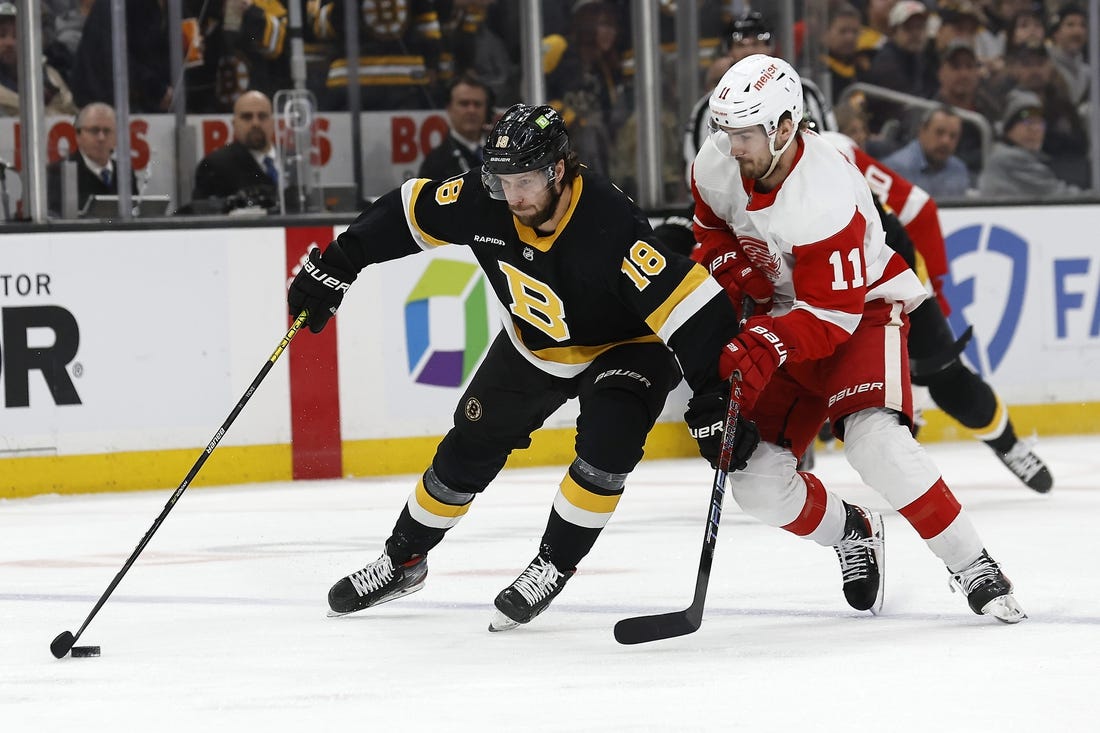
x: 893, y: 355
x: 688, y: 307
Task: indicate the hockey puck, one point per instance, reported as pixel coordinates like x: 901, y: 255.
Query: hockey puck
x: 85, y: 651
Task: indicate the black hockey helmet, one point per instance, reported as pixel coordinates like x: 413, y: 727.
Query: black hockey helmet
x: 524, y: 139
x: 751, y: 25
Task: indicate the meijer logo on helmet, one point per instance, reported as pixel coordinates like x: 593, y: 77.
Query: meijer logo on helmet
x: 765, y: 76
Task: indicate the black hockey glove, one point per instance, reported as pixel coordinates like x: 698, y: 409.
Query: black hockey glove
x: 706, y: 418
x: 319, y: 286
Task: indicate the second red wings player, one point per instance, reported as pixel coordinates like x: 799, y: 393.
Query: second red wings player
x: 782, y: 217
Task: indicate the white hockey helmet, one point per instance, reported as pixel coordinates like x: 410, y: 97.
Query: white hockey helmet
x: 757, y: 90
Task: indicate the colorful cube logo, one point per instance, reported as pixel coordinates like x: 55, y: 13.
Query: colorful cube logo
x: 446, y: 323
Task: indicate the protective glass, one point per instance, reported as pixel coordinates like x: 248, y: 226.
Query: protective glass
x: 518, y: 185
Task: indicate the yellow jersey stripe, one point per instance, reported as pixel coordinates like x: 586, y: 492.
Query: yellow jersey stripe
x: 695, y: 291
x: 410, y: 192
x: 589, y: 501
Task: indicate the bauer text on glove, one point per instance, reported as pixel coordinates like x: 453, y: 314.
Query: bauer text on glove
x: 755, y: 354
x: 319, y: 286
x: 706, y: 419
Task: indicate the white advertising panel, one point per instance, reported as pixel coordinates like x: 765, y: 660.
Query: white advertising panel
x: 144, y: 340
x: 137, y: 340
x: 1028, y: 280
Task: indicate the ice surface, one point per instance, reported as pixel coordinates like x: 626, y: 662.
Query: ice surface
x: 220, y: 625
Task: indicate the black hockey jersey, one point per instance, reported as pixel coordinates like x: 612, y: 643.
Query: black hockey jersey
x: 599, y: 280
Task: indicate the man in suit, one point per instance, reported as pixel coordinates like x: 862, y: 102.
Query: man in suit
x: 248, y: 165
x: 96, y: 136
x: 469, y: 112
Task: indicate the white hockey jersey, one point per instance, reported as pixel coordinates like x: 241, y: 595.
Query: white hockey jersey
x: 817, y: 237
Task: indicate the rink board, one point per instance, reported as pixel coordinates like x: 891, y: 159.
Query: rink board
x: 122, y: 352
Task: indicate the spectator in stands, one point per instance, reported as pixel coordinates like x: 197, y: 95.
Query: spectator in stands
x: 1001, y: 17
x: 1027, y: 27
x: 1017, y: 167
x: 59, y: 100
x: 586, y: 85
x: 400, y: 44
x: 961, y: 87
x: 96, y: 137
x: 851, y: 120
x: 1066, y: 141
x: 244, y: 47
x: 147, y: 57
x: 963, y: 20
x: 246, y: 170
x: 62, y: 24
x: 842, y: 61
x: 929, y: 161
x: 903, y: 63
x: 469, y: 114
x: 1068, y: 35
x: 476, y: 48
x: 876, y: 27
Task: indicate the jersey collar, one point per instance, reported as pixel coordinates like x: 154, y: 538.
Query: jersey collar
x: 760, y: 200
x: 527, y: 235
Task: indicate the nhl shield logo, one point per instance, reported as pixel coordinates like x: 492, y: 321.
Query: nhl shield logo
x: 528, y: 254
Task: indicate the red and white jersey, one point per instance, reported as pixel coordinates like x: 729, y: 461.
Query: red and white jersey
x: 911, y: 204
x: 817, y: 236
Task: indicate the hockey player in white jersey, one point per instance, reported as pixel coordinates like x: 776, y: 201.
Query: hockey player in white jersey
x: 831, y: 343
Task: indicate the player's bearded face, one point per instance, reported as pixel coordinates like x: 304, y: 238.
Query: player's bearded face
x: 531, y: 199
x: 749, y: 146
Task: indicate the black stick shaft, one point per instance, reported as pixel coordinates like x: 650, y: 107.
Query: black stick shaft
x: 298, y: 323
x: 717, y: 496
x: 640, y: 629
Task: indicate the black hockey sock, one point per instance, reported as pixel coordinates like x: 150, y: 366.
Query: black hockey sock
x: 1003, y: 443
x: 565, y: 543
x: 410, y: 537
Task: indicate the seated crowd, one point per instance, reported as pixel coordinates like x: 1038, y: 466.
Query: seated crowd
x: 964, y: 64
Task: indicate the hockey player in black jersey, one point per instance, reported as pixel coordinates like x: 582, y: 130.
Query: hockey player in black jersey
x: 591, y: 304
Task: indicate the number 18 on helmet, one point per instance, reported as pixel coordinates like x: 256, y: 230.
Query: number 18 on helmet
x: 524, y: 139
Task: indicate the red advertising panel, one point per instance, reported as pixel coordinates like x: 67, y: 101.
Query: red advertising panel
x: 314, y: 384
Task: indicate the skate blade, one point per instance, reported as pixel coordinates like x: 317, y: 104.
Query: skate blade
x: 878, y: 531
x: 1005, y: 609
x: 392, y: 597
x: 500, y: 622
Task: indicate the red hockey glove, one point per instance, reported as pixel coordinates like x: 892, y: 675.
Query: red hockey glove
x: 755, y: 353
x: 721, y: 255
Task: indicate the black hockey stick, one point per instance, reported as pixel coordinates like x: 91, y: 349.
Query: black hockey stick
x: 65, y: 640
x: 640, y: 629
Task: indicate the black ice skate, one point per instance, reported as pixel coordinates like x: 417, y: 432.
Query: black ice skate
x: 988, y: 590
x: 1027, y: 466
x: 381, y: 581
x: 862, y: 555
x: 528, y: 595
